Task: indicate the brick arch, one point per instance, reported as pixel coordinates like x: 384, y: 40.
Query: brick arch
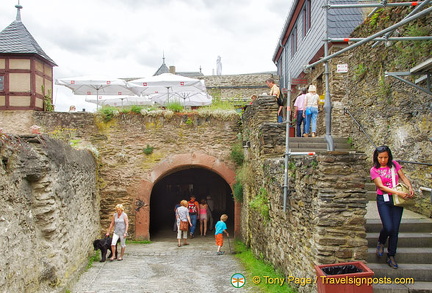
x: 170, y: 165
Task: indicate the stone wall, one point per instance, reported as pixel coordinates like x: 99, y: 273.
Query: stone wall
x: 49, y: 208
x: 119, y: 143
x: 238, y: 87
x: 324, y: 218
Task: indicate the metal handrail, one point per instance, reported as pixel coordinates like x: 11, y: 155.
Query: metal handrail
x: 346, y: 111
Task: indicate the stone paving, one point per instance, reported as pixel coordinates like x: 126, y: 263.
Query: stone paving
x: 161, y: 266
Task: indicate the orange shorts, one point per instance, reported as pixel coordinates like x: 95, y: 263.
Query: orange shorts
x: 219, y: 239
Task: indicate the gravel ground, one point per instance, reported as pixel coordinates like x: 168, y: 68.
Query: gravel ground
x: 161, y: 266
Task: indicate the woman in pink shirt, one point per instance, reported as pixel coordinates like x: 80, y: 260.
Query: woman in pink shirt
x: 391, y: 215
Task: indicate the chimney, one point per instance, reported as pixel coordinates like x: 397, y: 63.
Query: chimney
x: 172, y: 69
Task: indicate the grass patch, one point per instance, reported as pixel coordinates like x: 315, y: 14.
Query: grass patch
x: 139, y: 241
x: 92, y: 259
x: 255, y: 267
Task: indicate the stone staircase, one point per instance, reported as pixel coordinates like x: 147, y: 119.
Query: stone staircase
x: 414, y: 254
x: 317, y: 144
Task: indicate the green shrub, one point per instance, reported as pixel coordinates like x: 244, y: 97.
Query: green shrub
x: 148, y: 150
x: 107, y: 113
x: 238, y: 191
x: 136, y: 109
x: 174, y: 106
x: 261, y: 203
x: 237, y: 154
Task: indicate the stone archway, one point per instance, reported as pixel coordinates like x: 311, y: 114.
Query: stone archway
x: 172, y: 164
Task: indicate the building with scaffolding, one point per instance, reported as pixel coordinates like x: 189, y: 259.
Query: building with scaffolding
x: 316, y: 32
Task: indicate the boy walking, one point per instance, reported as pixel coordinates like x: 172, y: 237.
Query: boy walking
x: 220, y: 228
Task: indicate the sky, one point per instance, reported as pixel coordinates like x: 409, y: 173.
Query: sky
x: 128, y: 38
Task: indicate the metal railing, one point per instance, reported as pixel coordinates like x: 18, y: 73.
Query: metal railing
x: 346, y: 111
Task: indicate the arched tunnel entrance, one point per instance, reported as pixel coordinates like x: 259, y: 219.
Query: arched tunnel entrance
x: 181, y: 184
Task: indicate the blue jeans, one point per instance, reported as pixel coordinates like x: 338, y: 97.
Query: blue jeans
x: 390, y: 218
x: 194, y: 222
x: 279, y: 119
x: 311, y: 117
x: 300, y: 121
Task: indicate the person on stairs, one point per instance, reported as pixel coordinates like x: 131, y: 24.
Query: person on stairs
x: 311, y: 111
x: 120, y: 223
x: 381, y: 173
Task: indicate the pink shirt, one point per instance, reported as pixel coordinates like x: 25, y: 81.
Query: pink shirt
x: 299, y: 102
x: 386, y: 175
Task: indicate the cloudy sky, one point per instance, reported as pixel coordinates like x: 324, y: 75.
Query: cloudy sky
x: 127, y: 38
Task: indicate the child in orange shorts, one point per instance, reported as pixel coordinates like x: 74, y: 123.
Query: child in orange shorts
x: 220, y: 228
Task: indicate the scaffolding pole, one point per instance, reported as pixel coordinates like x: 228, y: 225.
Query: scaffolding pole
x: 287, y: 150
x: 395, y: 39
x: 377, y: 5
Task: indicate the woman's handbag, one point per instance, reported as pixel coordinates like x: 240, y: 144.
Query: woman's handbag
x: 184, y: 225
x: 399, y: 201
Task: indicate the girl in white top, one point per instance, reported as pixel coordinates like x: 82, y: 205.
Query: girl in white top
x: 311, y: 112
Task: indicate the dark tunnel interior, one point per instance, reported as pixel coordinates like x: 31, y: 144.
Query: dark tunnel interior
x: 180, y: 185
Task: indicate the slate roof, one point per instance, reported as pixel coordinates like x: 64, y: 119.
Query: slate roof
x: 16, y: 39
x: 342, y: 21
x: 162, y: 69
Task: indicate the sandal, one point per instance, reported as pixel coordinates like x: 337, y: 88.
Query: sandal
x: 392, y: 262
x: 380, y: 249
x: 120, y: 259
x: 185, y: 243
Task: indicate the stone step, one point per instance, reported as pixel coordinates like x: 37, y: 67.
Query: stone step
x: 414, y: 255
x: 419, y: 272
x: 405, y: 239
x: 417, y: 287
x: 407, y: 225
x: 317, y: 144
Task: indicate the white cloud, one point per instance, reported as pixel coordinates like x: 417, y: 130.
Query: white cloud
x: 126, y: 38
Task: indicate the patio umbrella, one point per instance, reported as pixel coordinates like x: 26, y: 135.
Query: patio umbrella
x: 167, y: 85
x: 184, y: 98
x: 121, y: 101
x: 95, y: 85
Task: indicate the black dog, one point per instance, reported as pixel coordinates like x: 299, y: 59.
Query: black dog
x: 104, y: 245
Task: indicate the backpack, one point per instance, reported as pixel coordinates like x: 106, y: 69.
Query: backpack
x: 280, y: 100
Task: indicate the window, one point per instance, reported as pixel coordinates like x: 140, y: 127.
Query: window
x: 1, y: 83
x: 306, y: 17
x: 294, y: 41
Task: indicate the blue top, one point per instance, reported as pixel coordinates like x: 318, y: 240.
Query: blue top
x: 220, y: 227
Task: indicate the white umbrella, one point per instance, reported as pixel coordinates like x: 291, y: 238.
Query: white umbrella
x: 167, y: 85
x: 184, y: 98
x: 95, y: 85
x: 121, y: 101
